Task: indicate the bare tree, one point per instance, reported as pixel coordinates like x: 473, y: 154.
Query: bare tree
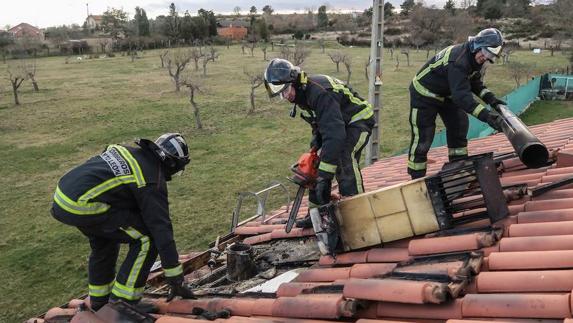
x: 206, y: 60
x: 300, y: 54
x: 406, y: 53
x: 518, y: 71
x: 321, y: 44
x: 256, y: 80
x: 264, y: 48
x: 397, y: 66
x: 213, y: 53
x: 336, y: 57
x: 176, y: 63
x: 196, y: 54
x: 348, y: 64
x: 391, y: 52
x: 243, y: 45
x: 285, y: 52
x: 505, y: 55
x: 29, y: 67
x: 16, y: 75
x: 194, y: 88
x: 251, y: 47
x: 162, y: 57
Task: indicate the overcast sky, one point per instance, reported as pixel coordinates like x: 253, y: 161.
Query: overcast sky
x: 45, y: 13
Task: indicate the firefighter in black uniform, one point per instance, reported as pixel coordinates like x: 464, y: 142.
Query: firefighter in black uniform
x: 342, y: 122
x: 120, y: 196
x: 445, y: 86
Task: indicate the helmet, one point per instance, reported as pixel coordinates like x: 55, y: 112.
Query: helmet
x: 278, y: 74
x: 489, y: 41
x: 174, y: 152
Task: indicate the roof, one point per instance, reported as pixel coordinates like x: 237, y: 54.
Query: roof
x: 96, y: 17
x: 233, y: 23
x: 26, y: 26
x: 527, y: 271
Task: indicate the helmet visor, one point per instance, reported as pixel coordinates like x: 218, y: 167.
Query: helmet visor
x: 275, y: 89
x: 491, y: 53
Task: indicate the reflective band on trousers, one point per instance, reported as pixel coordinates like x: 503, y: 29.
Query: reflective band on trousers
x: 365, y: 113
x: 172, y: 272
x: 125, y: 292
x: 357, y: 174
x: 141, y: 256
x: 329, y: 168
x: 461, y: 151
x: 79, y: 208
x: 416, y: 166
x: 416, y: 133
x: 100, y: 290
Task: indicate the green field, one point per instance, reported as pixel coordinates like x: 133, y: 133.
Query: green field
x: 84, y: 105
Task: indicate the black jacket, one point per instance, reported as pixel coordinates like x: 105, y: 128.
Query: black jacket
x: 335, y: 107
x: 127, y: 181
x: 454, y: 73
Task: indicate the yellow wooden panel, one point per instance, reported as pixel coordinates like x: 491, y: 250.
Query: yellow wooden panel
x: 394, y: 227
x: 420, y: 208
x: 385, y: 202
x: 357, y: 225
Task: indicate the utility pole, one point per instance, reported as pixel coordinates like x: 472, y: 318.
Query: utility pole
x: 375, y: 78
x: 88, y: 9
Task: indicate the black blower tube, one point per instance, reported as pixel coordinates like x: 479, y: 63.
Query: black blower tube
x: 530, y: 150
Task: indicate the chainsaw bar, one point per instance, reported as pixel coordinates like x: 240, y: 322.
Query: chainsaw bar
x: 294, y: 210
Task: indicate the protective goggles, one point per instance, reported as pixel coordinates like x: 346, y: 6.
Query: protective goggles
x: 491, y: 53
x: 275, y: 89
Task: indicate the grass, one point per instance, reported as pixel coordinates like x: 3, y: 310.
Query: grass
x: 85, y: 105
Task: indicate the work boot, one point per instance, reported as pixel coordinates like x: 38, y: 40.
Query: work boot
x: 304, y: 223
x: 139, y: 305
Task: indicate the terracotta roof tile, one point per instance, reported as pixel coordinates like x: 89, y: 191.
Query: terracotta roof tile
x: 517, y: 305
x: 527, y: 274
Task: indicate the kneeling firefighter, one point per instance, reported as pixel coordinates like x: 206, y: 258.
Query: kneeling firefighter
x: 341, y: 121
x: 120, y: 196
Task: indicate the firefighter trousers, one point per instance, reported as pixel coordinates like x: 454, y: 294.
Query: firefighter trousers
x: 105, y: 239
x: 348, y: 173
x: 423, y: 113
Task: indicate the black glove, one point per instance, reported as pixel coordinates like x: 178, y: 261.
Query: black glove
x: 322, y: 191
x: 178, y: 288
x: 492, y: 118
x: 492, y: 100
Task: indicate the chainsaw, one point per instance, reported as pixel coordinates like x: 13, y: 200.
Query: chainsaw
x: 305, y: 175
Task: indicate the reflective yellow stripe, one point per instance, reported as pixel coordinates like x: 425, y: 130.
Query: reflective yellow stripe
x: 425, y: 92
x: 128, y: 293
x: 416, y: 166
x: 416, y: 133
x: 483, y: 92
x: 442, y: 61
x: 106, y: 186
x: 136, y: 268
x: 357, y: 174
x: 477, y: 110
x: 461, y: 151
x: 324, y: 166
x: 100, y: 290
x: 365, y: 113
x: 140, y: 180
x: 79, y: 208
x: 445, y: 56
x: 175, y: 271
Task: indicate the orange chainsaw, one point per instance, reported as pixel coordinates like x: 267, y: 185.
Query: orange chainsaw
x: 305, y: 175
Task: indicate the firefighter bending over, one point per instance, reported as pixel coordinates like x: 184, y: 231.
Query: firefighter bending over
x: 120, y: 196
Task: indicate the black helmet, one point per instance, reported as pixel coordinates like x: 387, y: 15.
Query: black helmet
x: 171, y: 149
x: 278, y: 74
x: 489, y: 41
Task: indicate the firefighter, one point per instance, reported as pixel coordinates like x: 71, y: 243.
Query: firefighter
x: 120, y: 196
x: 445, y: 86
x: 341, y: 120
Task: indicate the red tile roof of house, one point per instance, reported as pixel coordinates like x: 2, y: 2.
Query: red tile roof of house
x: 527, y: 274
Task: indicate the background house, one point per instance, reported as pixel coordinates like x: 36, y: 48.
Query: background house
x: 25, y: 30
x: 93, y: 22
x: 233, y: 29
